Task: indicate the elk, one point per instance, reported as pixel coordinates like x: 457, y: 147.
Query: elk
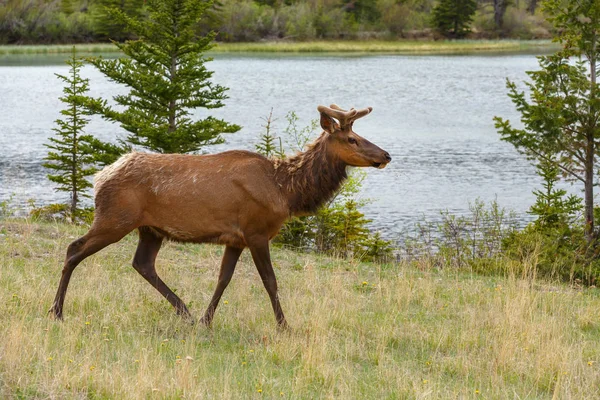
x: 236, y: 198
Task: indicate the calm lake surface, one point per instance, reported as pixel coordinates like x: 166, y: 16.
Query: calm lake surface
x: 432, y: 113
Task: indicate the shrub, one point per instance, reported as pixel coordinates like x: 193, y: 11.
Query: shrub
x: 300, y: 23
x: 246, y: 21
x: 470, y: 240
x: 396, y: 18
x: 555, y: 241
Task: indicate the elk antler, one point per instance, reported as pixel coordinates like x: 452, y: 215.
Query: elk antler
x: 345, y: 117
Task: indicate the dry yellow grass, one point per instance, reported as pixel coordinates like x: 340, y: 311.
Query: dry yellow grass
x: 359, y: 330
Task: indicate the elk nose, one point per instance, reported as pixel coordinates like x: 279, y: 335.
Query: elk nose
x: 387, y: 156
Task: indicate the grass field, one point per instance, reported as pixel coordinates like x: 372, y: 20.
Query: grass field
x: 387, y: 47
x: 359, y: 330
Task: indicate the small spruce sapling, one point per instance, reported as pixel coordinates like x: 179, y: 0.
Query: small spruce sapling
x: 70, y: 157
x: 453, y: 17
x: 553, y: 208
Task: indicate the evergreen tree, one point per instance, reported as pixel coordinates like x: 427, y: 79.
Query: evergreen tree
x: 71, y: 155
x: 553, y: 208
x: 452, y: 17
x: 269, y: 145
x: 561, y: 115
x: 106, y: 26
x: 362, y: 10
x: 165, y: 72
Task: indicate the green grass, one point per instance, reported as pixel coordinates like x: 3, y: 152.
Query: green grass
x: 359, y: 330
x: 387, y: 47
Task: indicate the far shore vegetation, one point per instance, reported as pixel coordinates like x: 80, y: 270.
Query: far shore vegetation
x: 336, y: 46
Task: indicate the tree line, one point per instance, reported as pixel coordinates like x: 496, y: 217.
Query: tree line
x: 83, y: 21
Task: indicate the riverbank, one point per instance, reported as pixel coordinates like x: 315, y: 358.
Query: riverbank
x: 359, y: 330
x: 387, y: 47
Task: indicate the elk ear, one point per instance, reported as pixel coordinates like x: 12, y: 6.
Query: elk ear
x: 327, y: 123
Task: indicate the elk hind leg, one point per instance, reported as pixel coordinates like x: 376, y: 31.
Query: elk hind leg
x: 144, y: 263
x: 92, y: 242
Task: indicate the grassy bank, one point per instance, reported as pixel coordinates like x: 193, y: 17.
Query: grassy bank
x: 359, y: 330
x: 387, y: 47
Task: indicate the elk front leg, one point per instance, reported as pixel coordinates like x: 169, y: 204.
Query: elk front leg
x: 262, y: 260
x: 230, y: 259
x: 144, y: 263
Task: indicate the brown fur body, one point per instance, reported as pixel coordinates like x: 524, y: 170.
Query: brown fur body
x: 195, y: 198
x: 236, y: 198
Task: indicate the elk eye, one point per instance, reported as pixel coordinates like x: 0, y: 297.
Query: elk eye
x: 352, y: 141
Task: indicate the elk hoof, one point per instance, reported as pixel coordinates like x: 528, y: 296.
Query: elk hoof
x: 284, y: 327
x: 54, y: 314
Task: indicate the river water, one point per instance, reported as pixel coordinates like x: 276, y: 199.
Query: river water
x: 433, y: 114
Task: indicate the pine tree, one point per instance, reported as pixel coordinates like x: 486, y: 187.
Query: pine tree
x: 71, y: 154
x: 165, y: 72
x: 269, y: 145
x: 553, y: 208
x: 452, y: 17
x: 561, y: 114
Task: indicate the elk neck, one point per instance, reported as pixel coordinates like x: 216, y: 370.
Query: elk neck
x: 311, y: 178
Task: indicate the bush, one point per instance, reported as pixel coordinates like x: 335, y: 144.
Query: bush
x: 396, y: 18
x: 62, y: 213
x: 518, y: 23
x: 558, y: 253
x: 300, y: 23
x: 471, y: 240
x: 555, y: 242
x: 246, y: 21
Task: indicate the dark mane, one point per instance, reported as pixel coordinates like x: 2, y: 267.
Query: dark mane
x: 310, y: 178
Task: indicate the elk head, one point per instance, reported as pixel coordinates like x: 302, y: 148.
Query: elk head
x: 346, y: 144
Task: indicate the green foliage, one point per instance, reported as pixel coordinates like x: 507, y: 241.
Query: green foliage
x: 338, y: 228
x: 554, y: 244
x: 71, y: 156
x: 108, y: 27
x: 553, y: 208
x: 165, y: 72
x: 557, y: 252
x: 452, y: 17
x: 7, y: 209
x: 270, y: 145
x: 60, y: 212
x: 37, y: 21
x: 247, y: 21
x: 561, y: 114
x: 362, y: 10
x: 68, y: 21
x: 472, y: 240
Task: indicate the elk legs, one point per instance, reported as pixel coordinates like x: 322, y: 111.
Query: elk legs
x: 262, y: 260
x: 143, y: 262
x: 230, y: 259
x: 78, y: 251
